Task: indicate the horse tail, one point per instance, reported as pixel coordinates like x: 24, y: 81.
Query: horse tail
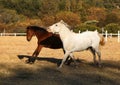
x: 102, y: 40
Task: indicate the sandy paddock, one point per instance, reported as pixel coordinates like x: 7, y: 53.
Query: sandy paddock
x: 15, y: 71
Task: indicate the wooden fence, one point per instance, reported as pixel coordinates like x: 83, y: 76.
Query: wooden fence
x: 106, y: 34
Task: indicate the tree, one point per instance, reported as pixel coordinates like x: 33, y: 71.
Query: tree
x: 62, y: 4
x: 67, y: 5
x: 49, y: 7
x: 73, y: 5
x: 69, y: 17
x: 29, y: 8
x: 111, y: 18
x: 48, y: 20
x: 9, y: 16
x: 96, y: 13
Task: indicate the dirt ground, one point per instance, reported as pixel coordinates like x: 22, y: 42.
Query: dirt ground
x: 14, y: 71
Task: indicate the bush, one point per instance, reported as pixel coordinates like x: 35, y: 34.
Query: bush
x: 70, y: 18
x: 112, y: 28
x: 2, y: 27
x: 48, y: 20
x: 84, y: 27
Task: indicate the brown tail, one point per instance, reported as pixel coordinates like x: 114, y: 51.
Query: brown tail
x: 102, y: 40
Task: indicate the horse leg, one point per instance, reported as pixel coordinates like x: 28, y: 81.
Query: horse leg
x: 64, y: 59
x: 93, y: 52
x: 73, y: 58
x: 35, y: 54
x: 68, y: 59
x: 99, y: 56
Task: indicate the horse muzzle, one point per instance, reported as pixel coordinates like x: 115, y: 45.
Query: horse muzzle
x: 49, y: 30
x: 28, y: 39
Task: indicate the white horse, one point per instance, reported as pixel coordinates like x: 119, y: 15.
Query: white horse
x: 74, y: 42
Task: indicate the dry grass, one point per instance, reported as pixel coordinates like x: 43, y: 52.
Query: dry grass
x: 14, y: 71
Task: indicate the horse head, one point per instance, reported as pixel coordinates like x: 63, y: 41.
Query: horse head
x: 29, y: 33
x: 55, y: 28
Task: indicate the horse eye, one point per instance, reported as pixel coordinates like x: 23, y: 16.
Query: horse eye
x: 56, y: 25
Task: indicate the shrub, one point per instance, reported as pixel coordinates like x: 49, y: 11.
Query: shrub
x: 48, y: 20
x: 84, y: 27
x: 112, y: 28
x: 69, y: 17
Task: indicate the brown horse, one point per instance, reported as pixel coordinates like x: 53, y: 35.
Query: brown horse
x: 45, y: 39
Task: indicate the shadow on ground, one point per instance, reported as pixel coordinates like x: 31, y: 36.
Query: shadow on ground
x: 85, y: 74
x: 52, y: 60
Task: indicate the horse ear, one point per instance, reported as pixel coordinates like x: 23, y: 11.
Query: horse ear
x: 61, y: 21
x: 95, y: 31
x: 28, y: 27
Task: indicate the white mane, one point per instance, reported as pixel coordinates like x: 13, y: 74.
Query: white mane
x: 68, y: 26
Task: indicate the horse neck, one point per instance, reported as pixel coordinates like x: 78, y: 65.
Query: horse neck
x: 42, y: 36
x: 64, y: 32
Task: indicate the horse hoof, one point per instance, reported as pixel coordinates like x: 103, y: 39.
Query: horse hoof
x: 28, y: 62
x: 58, y: 68
x: 98, y: 65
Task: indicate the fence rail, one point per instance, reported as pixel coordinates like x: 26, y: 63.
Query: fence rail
x: 106, y: 34
x: 12, y: 34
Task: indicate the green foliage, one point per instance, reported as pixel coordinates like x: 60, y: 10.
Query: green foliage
x: 112, y: 18
x: 48, y: 20
x: 91, y: 22
x: 49, y: 7
x: 112, y: 28
x: 84, y: 27
x: 72, y: 12
x: 28, y: 8
x: 62, y: 5
x: 10, y: 16
x: 69, y: 17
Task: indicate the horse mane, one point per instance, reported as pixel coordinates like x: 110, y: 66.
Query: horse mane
x: 68, y: 26
x: 37, y: 28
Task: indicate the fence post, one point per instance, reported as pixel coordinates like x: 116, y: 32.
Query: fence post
x: 106, y: 35
x: 15, y: 34
x: 118, y: 36
x: 79, y: 31
x: 110, y: 35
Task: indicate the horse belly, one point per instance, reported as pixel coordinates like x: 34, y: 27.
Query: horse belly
x: 77, y: 44
x: 81, y: 47
x: 52, y: 42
